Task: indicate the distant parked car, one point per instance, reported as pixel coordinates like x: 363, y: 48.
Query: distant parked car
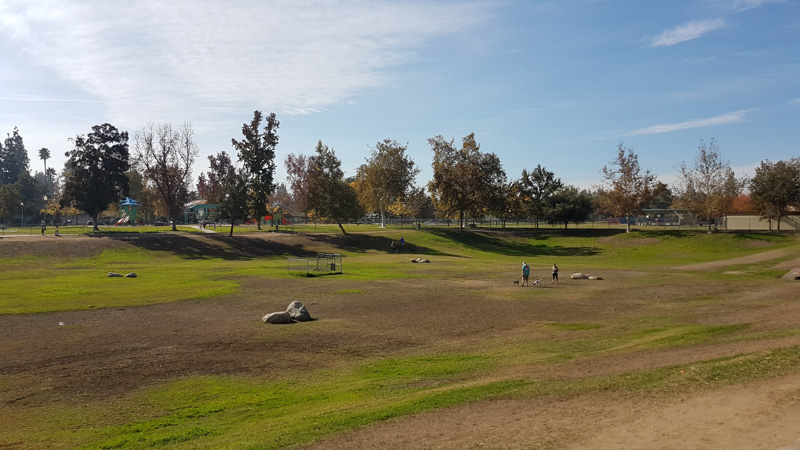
x: 89, y: 223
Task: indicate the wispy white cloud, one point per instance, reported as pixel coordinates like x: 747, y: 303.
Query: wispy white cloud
x: 686, y: 32
x: 737, y: 6
x: 724, y: 119
x: 284, y: 56
x: 795, y: 102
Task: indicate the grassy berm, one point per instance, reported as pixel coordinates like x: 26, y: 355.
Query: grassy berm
x: 689, y: 340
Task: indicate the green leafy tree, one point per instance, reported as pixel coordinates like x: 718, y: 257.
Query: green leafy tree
x: 503, y: 203
x: 662, y: 196
x: 536, y: 189
x: 96, y: 170
x: 257, y: 152
x: 229, y: 187
x: 709, y: 188
x: 464, y: 180
x: 415, y: 204
x: 165, y: 156
x: 13, y: 158
x: 569, y: 205
x: 774, y: 188
x: 56, y: 209
x: 10, y: 199
x: 626, y: 189
x: 330, y: 197
x: 386, y: 177
x: 221, y: 169
x: 516, y: 201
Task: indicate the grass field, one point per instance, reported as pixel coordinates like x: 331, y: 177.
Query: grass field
x: 177, y: 358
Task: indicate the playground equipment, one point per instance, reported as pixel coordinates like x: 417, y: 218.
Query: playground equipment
x: 323, y: 264
x: 129, y: 207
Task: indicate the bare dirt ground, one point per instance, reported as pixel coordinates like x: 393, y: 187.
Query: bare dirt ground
x: 103, y: 354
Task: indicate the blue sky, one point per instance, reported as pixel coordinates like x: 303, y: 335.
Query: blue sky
x: 556, y: 83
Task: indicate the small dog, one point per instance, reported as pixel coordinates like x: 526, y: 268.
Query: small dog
x: 516, y: 281
x: 537, y: 282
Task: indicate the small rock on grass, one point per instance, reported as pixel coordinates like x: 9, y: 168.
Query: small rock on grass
x: 278, y: 317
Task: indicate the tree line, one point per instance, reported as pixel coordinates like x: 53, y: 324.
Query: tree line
x: 103, y: 167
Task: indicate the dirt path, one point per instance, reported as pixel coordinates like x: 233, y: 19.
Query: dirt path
x: 749, y: 259
x: 762, y: 415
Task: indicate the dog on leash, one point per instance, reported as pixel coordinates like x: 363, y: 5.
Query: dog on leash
x: 516, y: 281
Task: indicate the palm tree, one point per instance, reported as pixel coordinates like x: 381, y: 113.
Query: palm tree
x: 44, y: 155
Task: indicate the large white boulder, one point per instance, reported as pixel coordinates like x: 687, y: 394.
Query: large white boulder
x: 298, y: 312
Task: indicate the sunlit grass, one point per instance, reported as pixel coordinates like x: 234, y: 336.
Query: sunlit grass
x: 294, y: 408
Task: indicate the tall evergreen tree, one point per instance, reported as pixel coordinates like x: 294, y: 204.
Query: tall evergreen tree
x: 13, y: 158
x: 329, y: 195
x: 257, y: 153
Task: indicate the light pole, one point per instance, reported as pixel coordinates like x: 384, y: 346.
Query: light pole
x: 22, y: 214
x: 44, y: 227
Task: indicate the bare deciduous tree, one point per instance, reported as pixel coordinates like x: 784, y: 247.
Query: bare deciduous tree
x: 709, y: 188
x: 626, y: 188
x: 386, y: 177
x: 165, y: 156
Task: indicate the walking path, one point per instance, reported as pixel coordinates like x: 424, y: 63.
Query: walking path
x: 203, y: 230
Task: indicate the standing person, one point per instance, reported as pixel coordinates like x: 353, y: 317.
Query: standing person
x: 526, y: 271
x: 555, y: 274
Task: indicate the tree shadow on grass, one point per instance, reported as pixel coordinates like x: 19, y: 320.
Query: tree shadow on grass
x: 508, y: 243
x: 361, y: 243
x: 544, y: 234
x: 670, y: 233
x: 251, y: 246
x: 211, y: 246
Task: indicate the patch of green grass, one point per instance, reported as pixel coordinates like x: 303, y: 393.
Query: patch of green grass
x: 703, y: 375
x: 682, y: 335
x: 83, y: 284
x: 570, y: 326
x: 292, y: 409
x: 212, y: 411
x: 597, y: 340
